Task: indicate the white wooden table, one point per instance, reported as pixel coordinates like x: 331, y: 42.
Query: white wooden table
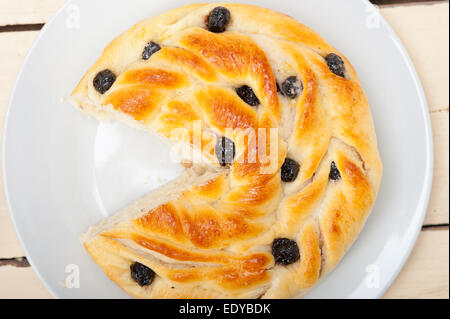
x: 424, y: 29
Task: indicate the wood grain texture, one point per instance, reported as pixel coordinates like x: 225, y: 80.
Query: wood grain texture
x: 21, y: 283
x: 439, y: 201
x: 27, y: 11
x: 14, y: 47
x: 425, y: 275
x: 402, y: 2
x: 424, y: 31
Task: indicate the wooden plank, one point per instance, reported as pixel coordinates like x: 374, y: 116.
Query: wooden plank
x: 14, y: 47
x: 424, y: 30
x: 426, y: 274
x: 438, y: 209
x: 9, y: 243
x: 21, y: 283
x: 27, y: 11
x: 403, y: 2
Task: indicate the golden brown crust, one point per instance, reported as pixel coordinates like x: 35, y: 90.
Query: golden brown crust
x: 213, y: 240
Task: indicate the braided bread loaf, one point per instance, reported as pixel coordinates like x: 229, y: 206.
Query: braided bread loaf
x: 246, y: 220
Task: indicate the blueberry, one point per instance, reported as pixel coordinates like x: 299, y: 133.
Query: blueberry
x: 218, y: 19
x: 142, y: 274
x: 289, y: 170
x: 285, y: 251
x: 149, y: 49
x: 104, y: 80
x: 336, y: 64
x: 278, y: 88
x: 335, y: 175
x: 291, y: 87
x: 247, y: 95
x: 225, y: 151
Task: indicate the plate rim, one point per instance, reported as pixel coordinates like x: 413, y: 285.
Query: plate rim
x: 429, y: 167
x: 423, y: 202
x: 3, y: 149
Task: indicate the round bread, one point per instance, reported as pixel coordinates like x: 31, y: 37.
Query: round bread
x: 246, y: 220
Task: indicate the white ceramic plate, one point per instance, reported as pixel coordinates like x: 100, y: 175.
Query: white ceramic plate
x: 64, y: 172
